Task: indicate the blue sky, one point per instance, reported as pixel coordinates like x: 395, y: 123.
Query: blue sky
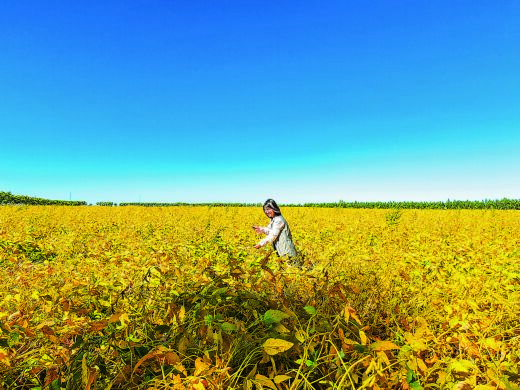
x: 238, y: 101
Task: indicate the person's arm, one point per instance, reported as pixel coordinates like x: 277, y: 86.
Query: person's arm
x: 272, y: 233
x: 261, y: 229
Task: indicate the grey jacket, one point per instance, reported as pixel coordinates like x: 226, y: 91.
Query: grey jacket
x: 279, y: 234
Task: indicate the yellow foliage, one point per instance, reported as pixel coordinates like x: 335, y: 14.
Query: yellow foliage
x: 432, y: 299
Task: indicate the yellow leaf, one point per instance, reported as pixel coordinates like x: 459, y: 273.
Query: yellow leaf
x: 471, y: 303
x: 265, y: 358
x: 346, y: 314
x: 416, y: 342
x: 200, y: 367
x: 182, y: 312
x: 264, y: 381
x: 84, y: 370
x: 252, y: 373
x: 351, y: 313
x: 363, y: 337
x: 383, y: 345
x: 180, y: 367
x: 281, y: 378
x: 422, y: 366
x: 276, y: 346
x: 461, y: 368
x: 382, y: 358
x: 280, y: 328
x: 490, y: 342
x: 300, y: 335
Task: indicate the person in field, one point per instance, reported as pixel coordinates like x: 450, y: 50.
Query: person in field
x: 277, y: 232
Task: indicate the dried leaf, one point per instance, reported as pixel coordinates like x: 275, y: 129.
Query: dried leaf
x: 383, y: 345
x: 182, y: 345
x: 148, y: 356
x: 172, y: 358
x: 92, y: 376
x: 47, y: 330
x: 98, y: 325
x: 114, y: 317
x: 4, y: 357
x: 65, y: 304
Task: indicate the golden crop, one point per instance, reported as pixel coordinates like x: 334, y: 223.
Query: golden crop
x: 177, y: 298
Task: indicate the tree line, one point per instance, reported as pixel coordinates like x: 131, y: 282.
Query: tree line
x: 7, y: 198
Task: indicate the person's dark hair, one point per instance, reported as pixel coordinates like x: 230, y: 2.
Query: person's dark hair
x: 270, y: 203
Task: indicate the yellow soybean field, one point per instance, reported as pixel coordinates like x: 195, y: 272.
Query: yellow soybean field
x: 98, y: 297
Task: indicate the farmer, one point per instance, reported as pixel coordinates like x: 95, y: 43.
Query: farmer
x: 278, y: 232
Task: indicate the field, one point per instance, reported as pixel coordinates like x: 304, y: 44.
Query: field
x: 176, y: 298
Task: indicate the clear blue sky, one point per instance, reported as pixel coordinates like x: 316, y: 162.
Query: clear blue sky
x: 237, y: 101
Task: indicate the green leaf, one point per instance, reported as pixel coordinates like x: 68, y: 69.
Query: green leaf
x: 274, y: 316
x: 132, y: 338
x: 208, y: 319
x: 409, y: 376
x: 416, y: 386
x: 310, y: 309
x: 308, y: 363
x: 55, y: 384
x: 220, y: 291
x: 360, y: 348
x: 228, y: 327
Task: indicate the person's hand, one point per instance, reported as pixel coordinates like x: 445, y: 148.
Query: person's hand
x: 257, y: 246
x: 258, y: 229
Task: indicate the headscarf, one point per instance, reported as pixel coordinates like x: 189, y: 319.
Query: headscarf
x: 271, y: 204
